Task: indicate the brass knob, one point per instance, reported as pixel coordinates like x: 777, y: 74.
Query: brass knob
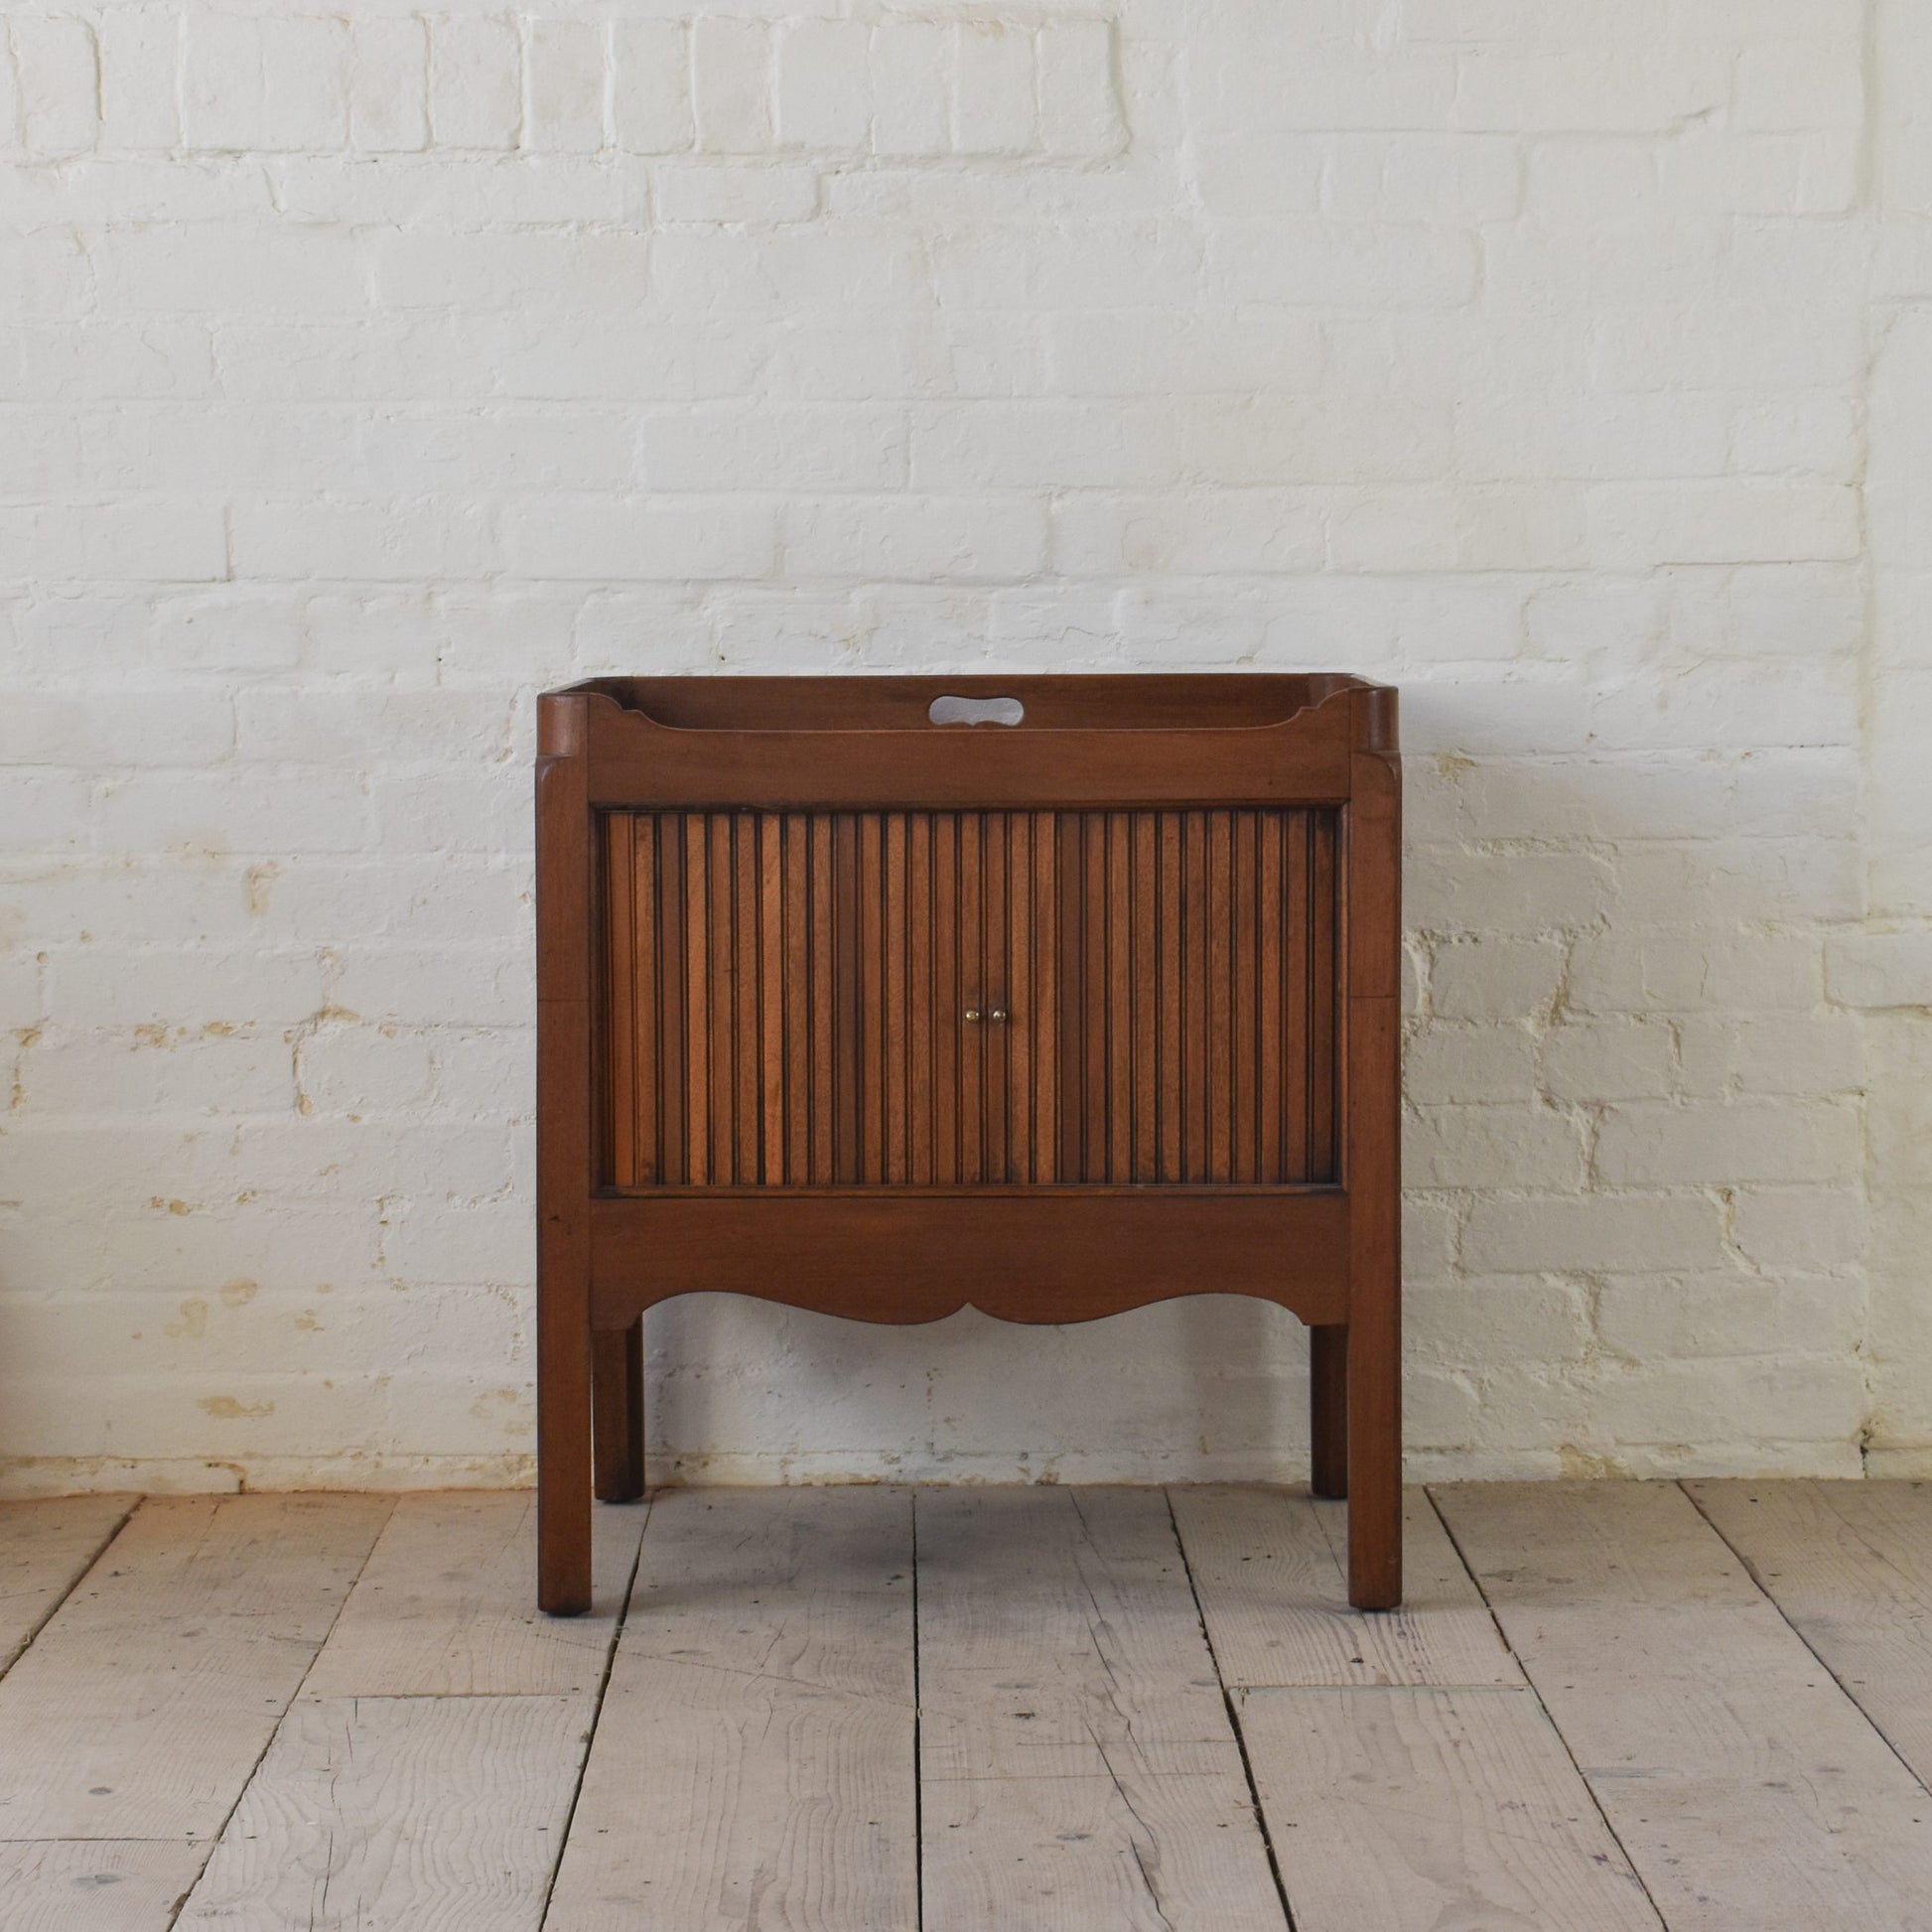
x: 972, y: 1012
x: 999, y: 1012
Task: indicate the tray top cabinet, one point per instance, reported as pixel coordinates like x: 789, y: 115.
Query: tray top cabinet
x: 886, y: 996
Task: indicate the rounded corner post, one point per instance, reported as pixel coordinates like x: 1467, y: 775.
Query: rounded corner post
x: 564, y: 858
x: 1372, y: 1159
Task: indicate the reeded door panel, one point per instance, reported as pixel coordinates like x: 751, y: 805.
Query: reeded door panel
x: 967, y: 999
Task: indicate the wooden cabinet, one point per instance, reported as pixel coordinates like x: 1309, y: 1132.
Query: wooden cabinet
x: 855, y: 1009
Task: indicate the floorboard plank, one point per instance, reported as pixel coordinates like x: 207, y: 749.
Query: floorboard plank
x: 1270, y: 1566
x: 1850, y: 1563
x: 1078, y: 1768
x: 437, y: 1814
x: 1749, y: 1792
x: 46, y: 1548
x: 754, y: 1762
x: 1408, y: 1810
x: 446, y: 1605
x: 142, y: 1707
x: 105, y: 1885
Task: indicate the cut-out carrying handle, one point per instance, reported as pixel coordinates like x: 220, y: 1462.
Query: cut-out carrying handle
x: 976, y: 711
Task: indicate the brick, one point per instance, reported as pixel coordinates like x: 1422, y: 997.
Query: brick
x: 607, y: 538
x: 1708, y: 1142
x: 381, y: 542
x: 475, y: 82
x: 564, y: 86
x: 652, y: 87
x: 164, y: 542
x: 992, y: 88
x: 730, y: 66
x: 824, y: 85
x: 57, y: 78
x: 1692, y: 1318
x: 1473, y: 1325
x: 167, y: 726
x: 1079, y: 102
x: 1490, y: 1147
x: 921, y: 538
x: 1799, y: 1228
x: 1695, y: 972
x: 1587, y: 1060
x: 1877, y: 970
x: 230, y: 812
x: 735, y: 195
x: 255, y: 987
x: 1495, y: 979
x: 1470, y: 1063
x: 1819, y: 1052
x: 911, y: 87
x: 1556, y: 1234
x: 388, y: 89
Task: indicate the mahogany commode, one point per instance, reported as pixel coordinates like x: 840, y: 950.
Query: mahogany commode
x: 854, y: 1010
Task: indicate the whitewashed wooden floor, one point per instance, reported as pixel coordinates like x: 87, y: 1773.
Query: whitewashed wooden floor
x: 1607, y: 1707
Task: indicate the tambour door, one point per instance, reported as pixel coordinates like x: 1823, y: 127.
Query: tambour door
x: 1198, y: 975
x: 969, y: 998
x: 818, y: 999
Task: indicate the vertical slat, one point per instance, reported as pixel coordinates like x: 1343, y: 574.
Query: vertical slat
x: 1268, y: 1094
x: 618, y: 1102
x: 920, y: 987
x: 1044, y: 1026
x: 870, y: 887
x: 772, y: 999
x: 725, y: 965
x: 1194, y: 1140
x: 1244, y: 891
x: 794, y: 855
x: 647, y: 998
x: 747, y: 963
x: 848, y: 1048
x: 947, y: 998
x: 823, y: 1004
x: 1144, y: 912
x: 1070, y: 968
x: 1220, y: 995
x: 993, y: 951
x: 1016, y: 1049
x: 972, y: 1034
x: 1093, y: 956
x: 1296, y: 1015
x: 1167, y: 926
x: 697, y: 997
x: 897, y: 1152
x: 1120, y: 998
x: 672, y: 977
x: 1322, y: 979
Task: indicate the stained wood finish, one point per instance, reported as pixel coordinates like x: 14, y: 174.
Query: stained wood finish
x: 1165, y: 1017
x: 844, y: 1009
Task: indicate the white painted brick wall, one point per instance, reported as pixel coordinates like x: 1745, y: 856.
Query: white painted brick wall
x: 365, y: 372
